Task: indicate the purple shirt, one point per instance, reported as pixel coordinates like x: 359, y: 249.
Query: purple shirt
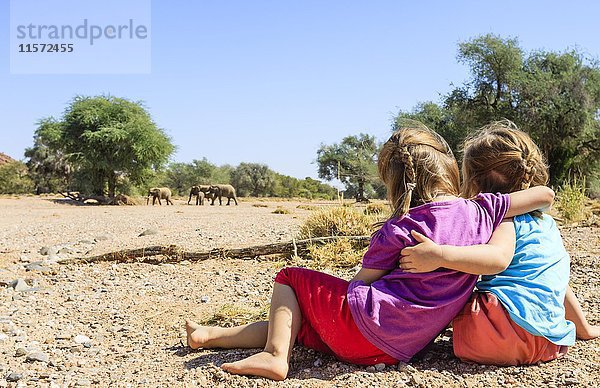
x: 402, y: 312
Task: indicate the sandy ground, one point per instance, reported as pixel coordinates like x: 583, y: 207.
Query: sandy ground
x: 115, y: 324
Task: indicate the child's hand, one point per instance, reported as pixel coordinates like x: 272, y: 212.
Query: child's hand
x: 426, y: 256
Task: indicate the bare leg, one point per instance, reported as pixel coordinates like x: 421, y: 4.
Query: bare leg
x: 574, y: 313
x: 284, y: 324
x: 252, y: 335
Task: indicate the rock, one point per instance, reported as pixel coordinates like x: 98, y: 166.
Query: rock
x: 571, y: 381
x: 81, y: 339
x: 404, y: 367
x: 379, y: 367
x: 204, y: 299
x: 19, y: 285
x: 37, y: 266
x: 20, y: 352
x: 102, y: 237
x: 13, y: 377
x: 371, y: 369
x: 3, y: 337
x: 37, y: 356
x: 66, y: 251
x: 88, y: 242
x: 149, y: 232
x: 44, y: 250
x: 318, y: 362
x: 83, y: 383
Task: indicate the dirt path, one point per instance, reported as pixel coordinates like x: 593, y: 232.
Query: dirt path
x: 118, y: 324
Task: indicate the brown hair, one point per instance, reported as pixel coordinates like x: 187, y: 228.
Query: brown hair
x: 416, y: 164
x: 501, y: 158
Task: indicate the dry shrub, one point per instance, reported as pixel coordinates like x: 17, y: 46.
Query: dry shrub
x: 571, y: 200
x: 377, y: 209
x: 281, y: 210
x: 336, y: 221
x: 260, y: 205
x: 230, y: 315
x: 307, y: 207
x: 125, y: 200
x: 341, y: 253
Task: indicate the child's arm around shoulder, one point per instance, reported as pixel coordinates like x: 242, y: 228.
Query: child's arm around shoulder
x: 528, y: 200
x: 484, y: 259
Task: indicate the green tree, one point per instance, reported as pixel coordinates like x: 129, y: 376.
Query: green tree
x: 253, y: 179
x: 14, y: 178
x: 107, y: 139
x: 353, y: 161
x: 48, y: 167
x: 559, y: 101
x: 179, y: 177
x: 555, y: 97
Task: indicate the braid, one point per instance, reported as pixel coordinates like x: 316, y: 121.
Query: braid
x: 409, y: 179
x: 528, y: 172
x: 409, y: 169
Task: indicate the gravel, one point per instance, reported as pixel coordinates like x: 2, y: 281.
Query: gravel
x: 115, y: 324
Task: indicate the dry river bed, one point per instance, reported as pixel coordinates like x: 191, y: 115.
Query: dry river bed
x: 116, y: 324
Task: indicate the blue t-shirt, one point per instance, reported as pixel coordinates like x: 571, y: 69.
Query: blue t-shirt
x: 533, y: 287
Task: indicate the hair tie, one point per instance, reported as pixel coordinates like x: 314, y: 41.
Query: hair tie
x: 411, y: 186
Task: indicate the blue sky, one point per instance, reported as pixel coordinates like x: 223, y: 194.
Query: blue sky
x: 269, y: 81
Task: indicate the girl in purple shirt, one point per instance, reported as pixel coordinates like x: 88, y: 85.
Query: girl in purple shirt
x: 383, y: 314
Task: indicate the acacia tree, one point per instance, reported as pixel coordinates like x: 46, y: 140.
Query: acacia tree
x: 48, y: 167
x: 253, y: 179
x: 353, y: 161
x: 106, y: 138
x: 555, y: 97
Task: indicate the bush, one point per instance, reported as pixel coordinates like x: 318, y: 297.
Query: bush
x: 336, y: 221
x: 281, y: 210
x: 377, y: 209
x: 234, y: 315
x: 341, y: 253
x: 14, y: 178
x: 571, y: 200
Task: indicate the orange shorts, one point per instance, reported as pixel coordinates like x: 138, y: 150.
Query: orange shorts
x: 485, y: 334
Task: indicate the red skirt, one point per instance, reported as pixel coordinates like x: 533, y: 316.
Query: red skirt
x: 327, y: 323
x: 485, y: 334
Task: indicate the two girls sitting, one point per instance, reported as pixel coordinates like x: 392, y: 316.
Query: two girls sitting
x: 405, y: 294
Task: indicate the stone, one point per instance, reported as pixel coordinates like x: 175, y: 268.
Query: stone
x: 371, y: 369
x: 81, y: 339
x: 44, y: 251
x: 204, y: 299
x: 102, y: 237
x: 14, y: 377
x: 89, y: 242
x: 404, y: 367
x: 19, y: 285
x: 20, y: 352
x: 318, y: 362
x: 149, y: 232
x: 37, y: 357
x: 37, y: 266
x: 379, y: 367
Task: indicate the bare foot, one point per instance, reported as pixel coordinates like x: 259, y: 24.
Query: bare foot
x: 197, y: 335
x: 262, y: 364
x: 590, y: 332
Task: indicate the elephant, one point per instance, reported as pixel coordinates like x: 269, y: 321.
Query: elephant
x: 223, y: 191
x: 159, y: 193
x: 200, y: 192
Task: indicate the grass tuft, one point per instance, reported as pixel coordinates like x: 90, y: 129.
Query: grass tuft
x: 572, y: 199
x: 281, y: 210
x: 234, y: 315
x: 336, y: 221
